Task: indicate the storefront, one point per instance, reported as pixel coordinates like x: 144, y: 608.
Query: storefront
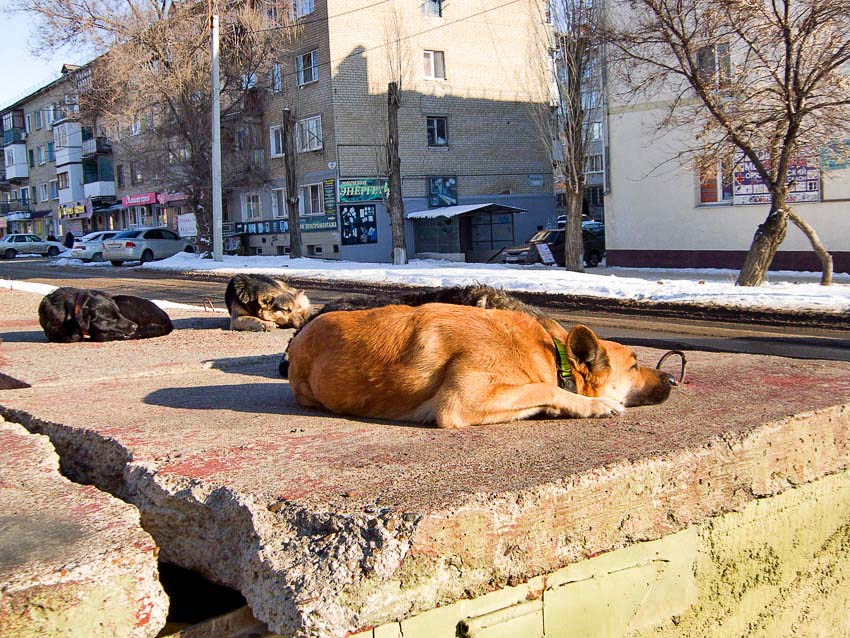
x: 87, y: 217
x: 172, y: 206
x: 38, y: 222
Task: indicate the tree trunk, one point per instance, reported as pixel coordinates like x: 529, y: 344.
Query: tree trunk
x: 817, y: 246
x: 573, y: 244
x: 766, y: 241
x: 395, y: 205
x: 291, y: 184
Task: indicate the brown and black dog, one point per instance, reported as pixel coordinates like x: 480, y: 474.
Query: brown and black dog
x: 69, y: 314
x: 460, y: 365
x: 260, y: 303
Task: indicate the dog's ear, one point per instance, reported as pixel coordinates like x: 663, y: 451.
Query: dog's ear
x: 587, y: 357
x: 83, y: 314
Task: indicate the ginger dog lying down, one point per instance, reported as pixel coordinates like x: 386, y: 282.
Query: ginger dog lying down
x: 461, y: 365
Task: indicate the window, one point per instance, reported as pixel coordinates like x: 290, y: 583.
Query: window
x: 31, y: 153
x: 435, y: 65
x: 308, y: 134
x: 64, y: 180
x: 308, y: 68
x: 437, y: 131
x: 716, y: 183
x: 434, y: 8
x: 135, y: 173
x: 54, y: 189
x: 593, y: 164
x: 45, y: 194
x: 249, y: 81
x: 279, y: 203
x: 50, y: 114
x: 25, y: 196
x: 136, y: 125
x: 119, y: 175
x: 10, y: 156
x: 276, y: 78
x: 276, y: 141
x: 42, y: 154
x: 51, y: 154
x: 714, y: 66
x: 310, y: 202
x: 28, y: 122
x: 304, y: 7
x: 251, y: 206
x: 60, y: 136
x: 34, y: 192
x: 37, y: 116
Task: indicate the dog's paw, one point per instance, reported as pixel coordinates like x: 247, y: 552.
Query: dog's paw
x: 604, y: 407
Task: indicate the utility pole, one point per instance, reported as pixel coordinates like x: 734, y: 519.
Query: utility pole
x: 216, y: 143
x: 291, y: 183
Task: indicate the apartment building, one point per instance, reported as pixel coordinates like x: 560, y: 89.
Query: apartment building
x: 476, y: 172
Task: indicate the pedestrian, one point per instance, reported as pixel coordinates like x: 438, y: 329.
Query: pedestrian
x: 51, y: 237
x: 69, y: 240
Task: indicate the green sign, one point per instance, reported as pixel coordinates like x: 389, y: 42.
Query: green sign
x: 367, y: 189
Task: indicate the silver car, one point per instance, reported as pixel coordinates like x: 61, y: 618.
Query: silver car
x: 90, y: 247
x: 27, y: 244
x: 143, y: 245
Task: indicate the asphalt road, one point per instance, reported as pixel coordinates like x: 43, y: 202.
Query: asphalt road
x: 804, y: 336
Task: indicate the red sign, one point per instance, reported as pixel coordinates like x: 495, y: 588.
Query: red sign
x: 165, y: 198
x: 138, y: 200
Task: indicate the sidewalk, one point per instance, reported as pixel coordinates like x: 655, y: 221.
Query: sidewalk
x: 330, y: 525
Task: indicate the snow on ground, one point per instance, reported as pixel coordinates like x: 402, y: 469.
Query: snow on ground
x: 795, y: 291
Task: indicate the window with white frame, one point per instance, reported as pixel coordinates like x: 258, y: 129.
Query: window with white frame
x: 715, y: 185
x: 28, y: 122
x: 38, y: 118
x: 310, y: 202
x: 308, y: 68
x: 434, y: 8
x: 593, y: 164
x: 51, y: 154
x: 40, y: 151
x: 60, y: 136
x: 276, y: 141
x: 25, y: 196
x: 251, y: 206
x: 64, y: 180
x: 308, y: 134
x: 54, y: 189
x: 136, y: 124
x: 50, y: 114
x: 438, y: 131
x: 276, y: 78
x: 34, y: 192
x: 435, y: 64
x: 714, y: 65
x: 304, y: 7
x: 45, y: 193
x: 9, y: 155
x: 279, y: 202
x: 249, y: 81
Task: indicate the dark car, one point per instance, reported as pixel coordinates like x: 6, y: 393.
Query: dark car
x: 593, y: 238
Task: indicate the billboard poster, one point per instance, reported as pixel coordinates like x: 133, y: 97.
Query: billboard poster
x: 329, y: 195
x: 748, y: 187
x: 366, y: 189
x: 442, y: 191
x: 311, y: 223
x: 359, y: 224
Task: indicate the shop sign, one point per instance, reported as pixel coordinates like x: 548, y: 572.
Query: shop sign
x: 167, y: 198
x: 138, y: 200
x: 18, y: 217
x: 329, y: 194
x: 367, y: 189
x: 309, y: 224
x: 358, y: 224
x: 442, y: 191
x: 75, y: 211
x: 749, y: 188
x: 187, y: 225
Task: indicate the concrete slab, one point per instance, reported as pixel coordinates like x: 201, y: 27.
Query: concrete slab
x: 74, y: 561
x: 330, y: 525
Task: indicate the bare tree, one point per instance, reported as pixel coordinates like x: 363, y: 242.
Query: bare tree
x: 150, y: 88
x: 574, y: 53
x: 768, y: 78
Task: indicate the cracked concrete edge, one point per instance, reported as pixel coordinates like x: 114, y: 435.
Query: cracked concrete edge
x: 82, y: 568
x: 313, y: 573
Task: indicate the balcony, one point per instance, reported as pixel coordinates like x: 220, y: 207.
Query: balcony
x: 13, y: 207
x: 14, y: 136
x: 99, y: 189
x: 96, y: 146
x: 17, y: 168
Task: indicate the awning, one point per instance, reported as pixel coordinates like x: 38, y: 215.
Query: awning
x: 454, y: 211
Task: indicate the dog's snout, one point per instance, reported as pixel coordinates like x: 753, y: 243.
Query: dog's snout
x: 670, y: 379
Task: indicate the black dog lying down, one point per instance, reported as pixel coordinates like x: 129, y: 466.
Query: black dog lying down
x: 72, y: 314
x: 479, y: 295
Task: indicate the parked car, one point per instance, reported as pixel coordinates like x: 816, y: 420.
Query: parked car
x: 143, y: 245
x: 90, y: 247
x: 593, y: 239
x: 26, y: 244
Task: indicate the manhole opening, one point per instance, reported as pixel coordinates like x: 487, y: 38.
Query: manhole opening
x: 193, y: 598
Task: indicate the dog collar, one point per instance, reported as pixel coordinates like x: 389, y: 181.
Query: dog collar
x: 562, y: 365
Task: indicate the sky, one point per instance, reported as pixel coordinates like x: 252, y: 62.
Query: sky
x: 784, y: 291
x: 22, y: 71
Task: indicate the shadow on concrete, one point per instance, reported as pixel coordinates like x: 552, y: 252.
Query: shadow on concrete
x: 213, y: 322
x: 265, y: 398
x: 30, y: 336
x: 264, y: 365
